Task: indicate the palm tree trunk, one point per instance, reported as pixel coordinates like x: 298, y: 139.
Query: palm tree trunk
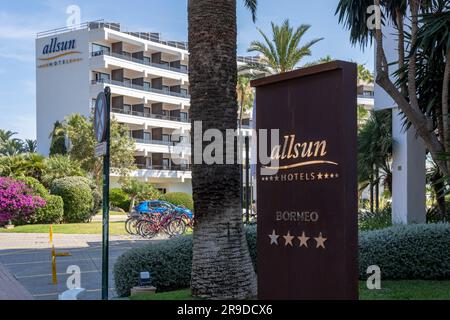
x: 371, y: 195
x: 221, y: 264
x: 377, y: 190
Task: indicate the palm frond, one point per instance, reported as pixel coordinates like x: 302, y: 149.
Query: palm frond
x: 252, y: 5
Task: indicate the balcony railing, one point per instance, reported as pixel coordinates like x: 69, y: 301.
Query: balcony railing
x: 143, y: 62
x: 165, y: 168
x: 157, y: 142
x: 150, y: 115
x: 142, y: 88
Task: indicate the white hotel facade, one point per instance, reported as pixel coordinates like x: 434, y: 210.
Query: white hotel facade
x: 149, y: 83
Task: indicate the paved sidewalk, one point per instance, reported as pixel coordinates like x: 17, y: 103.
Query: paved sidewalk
x: 10, y: 288
x: 27, y: 258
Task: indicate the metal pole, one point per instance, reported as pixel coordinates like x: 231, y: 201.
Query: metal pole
x: 106, y: 159
x: 247, y: 178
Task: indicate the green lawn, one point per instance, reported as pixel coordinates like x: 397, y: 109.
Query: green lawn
x: 116, y: 228
x: 391, y: 290
x: 407, y: 290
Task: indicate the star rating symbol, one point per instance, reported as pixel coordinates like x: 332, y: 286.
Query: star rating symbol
x: 320, y: 176
x: 320, y: 241
x: 288, y: 239
x: 326, y: 176
x: 304, y: 240
x: 273, y: 238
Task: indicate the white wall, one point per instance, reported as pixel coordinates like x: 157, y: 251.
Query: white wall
x: 408, y: 168
x: 61, y: 90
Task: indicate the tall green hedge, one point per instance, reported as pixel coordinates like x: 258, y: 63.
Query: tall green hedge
x: 179, y: 199
x: 78, y: 198
x: 408, y: 252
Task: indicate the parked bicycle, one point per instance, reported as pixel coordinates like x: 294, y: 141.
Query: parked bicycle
x: 151, y: 218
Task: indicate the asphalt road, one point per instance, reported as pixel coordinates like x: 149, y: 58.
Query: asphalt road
x: 28, y: 258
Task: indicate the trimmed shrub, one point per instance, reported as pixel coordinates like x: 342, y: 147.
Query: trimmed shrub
x: 179, y: 199
x: 407, y: 252
x: 37, y: 187
x: 53, y: 212
x: 169, y: 261
x: 119, y: 199
x: 402, y: 252
x: 77, y: 196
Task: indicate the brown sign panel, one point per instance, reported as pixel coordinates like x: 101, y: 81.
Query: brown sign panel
x: 307, y: 194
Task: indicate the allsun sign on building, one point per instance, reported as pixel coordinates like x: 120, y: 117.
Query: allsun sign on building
x: 307, y: 202
x: 58, y: 53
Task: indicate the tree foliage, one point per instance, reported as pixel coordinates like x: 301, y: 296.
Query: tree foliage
x: 283, y: 52
x: 80, y: 131
x: 422, y: 69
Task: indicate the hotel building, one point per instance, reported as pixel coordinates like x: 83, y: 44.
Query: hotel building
x: 149, y: 82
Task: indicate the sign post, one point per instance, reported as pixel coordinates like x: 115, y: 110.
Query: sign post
x: 102, y: 124
x: 307, y: 190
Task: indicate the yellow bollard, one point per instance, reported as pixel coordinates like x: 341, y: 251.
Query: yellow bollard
x: 54, y: 255
x: 54, y: 276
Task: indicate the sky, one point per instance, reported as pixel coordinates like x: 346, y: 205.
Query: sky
x: 20, y: 20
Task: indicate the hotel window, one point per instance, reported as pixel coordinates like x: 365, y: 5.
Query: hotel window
x: 166, y: 88
x: 147, y: 111
x: 147, y: 85
x: 183, y: 67
x: 166, y: 164
x: 166, y: 138
x: 102, y: 77
x: 127, y: 109
x: 184, y: 91
x: 127, y: 82
x: 147, y: 136
x: 165, y: 63
x: 98, y: 49
x: 126, y: 54
x: 147, y: 60
x: 183, y: 116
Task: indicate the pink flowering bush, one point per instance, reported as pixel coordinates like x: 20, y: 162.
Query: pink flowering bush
x: 17, y: 202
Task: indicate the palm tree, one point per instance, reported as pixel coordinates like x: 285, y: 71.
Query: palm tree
x: 375, y: 154
x: 6, y: 135
x: 30, y: 145
x: 11, y: 147
x: 283, y: 52
x: 58, y: 139
x: 245, y: 96
x: 221, y: 263
x: 364, y: 75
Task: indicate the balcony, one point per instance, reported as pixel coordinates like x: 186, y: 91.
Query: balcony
x: 141, y: 88
x: 129, y: 58
x: 151, y: 115
x: 157, y: 142
x: 165, y: 168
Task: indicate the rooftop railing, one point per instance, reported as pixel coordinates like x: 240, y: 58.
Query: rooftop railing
x: 100, y: 24
x: 142, y: 88
x: 129, y: 58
